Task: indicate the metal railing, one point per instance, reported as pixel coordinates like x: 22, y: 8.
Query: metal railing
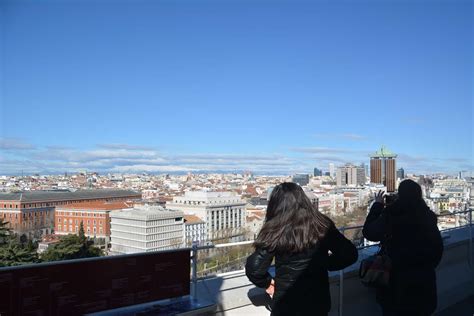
x: 195, y: 249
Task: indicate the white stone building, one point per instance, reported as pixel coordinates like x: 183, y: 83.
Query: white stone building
x: 146, y: 228
x: 195, y: 230
x: 222, y: 212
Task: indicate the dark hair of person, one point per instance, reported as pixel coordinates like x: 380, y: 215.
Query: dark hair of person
x: 410, y: 197
x: 292, y: 223
x: 410, y: 194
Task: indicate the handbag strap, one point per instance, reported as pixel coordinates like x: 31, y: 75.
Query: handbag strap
x: 388, y: 234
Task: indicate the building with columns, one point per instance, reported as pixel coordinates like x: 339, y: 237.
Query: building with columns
x: 223, y: 212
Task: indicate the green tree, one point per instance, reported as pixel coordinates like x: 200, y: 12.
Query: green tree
x: 13, y: 254
x: 72, y: 247
x: 5, y: 232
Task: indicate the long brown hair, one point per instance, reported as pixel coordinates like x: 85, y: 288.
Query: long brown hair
x: 292, y: 223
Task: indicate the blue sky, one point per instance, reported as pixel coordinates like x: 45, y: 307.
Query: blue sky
x: 267, y: 86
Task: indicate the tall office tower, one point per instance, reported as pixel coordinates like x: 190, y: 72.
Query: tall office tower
x: 383, y: 168
x: 366, y: 168
x: 332, y: 170
x: 401, y: 173
x: 317, y: 172
x: 350, y: 175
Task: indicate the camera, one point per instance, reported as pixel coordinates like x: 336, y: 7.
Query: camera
x: 390, y: 198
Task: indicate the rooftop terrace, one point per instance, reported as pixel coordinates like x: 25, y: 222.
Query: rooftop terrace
x: 230, y: 293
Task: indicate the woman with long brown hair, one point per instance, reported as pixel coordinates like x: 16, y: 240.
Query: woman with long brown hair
x: 306, y: 245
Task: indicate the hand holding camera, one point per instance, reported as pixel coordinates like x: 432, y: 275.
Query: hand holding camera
x: 379, y: 196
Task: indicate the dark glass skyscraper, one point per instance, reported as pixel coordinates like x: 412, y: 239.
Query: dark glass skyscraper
x: 317, y: 172
x: 401, y: 173
x: 301, y: 179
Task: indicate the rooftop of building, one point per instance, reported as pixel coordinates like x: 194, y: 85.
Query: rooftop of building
x: 233, y: 294
x: 51, y: 196
x: 99, y: 205
x: 146, y: 212
x: 383, y: 152
x: 192, y: 219
x: 209, y: 194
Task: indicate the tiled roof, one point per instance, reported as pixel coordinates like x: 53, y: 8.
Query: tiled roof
x: 47, y: 196
x: 96, y: 206
x: 192, y: 219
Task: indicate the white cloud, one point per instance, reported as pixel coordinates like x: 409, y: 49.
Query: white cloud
x: 129, y: 158
x: 14, y: 144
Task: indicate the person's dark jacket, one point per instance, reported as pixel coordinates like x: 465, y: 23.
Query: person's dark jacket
x: 414, y: 244
x: 301, y: 279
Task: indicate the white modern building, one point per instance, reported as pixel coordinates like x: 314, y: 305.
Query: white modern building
x: 146, y: 228
x: 223, y: 212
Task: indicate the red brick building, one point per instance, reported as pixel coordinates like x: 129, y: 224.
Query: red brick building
x: 94, y: 216
x: 32, y: 212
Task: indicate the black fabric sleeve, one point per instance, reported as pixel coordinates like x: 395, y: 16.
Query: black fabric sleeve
x: 343, y: 251
x: 375, y: 226
x: 257, y: 266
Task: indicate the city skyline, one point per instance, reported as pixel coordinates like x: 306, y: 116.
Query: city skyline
x: 186, y: 87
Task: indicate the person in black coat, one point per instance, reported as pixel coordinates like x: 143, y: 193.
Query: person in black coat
x: 408, y: 230
x: 299, y: 238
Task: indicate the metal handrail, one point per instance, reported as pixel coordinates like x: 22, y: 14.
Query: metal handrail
x: 341, y: 229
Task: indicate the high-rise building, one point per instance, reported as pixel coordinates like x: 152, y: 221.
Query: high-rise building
x: 350, y: 175
x: 383, y: 168
x: 401, y: 173
x: 146, y: 228
x: 332, y: 170
x: 317, y: 172
x: 301, y: 179
x: 366, y: 169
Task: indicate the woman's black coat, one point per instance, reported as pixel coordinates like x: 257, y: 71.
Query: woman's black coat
x: 301, y: 279
x: 415, y: 247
